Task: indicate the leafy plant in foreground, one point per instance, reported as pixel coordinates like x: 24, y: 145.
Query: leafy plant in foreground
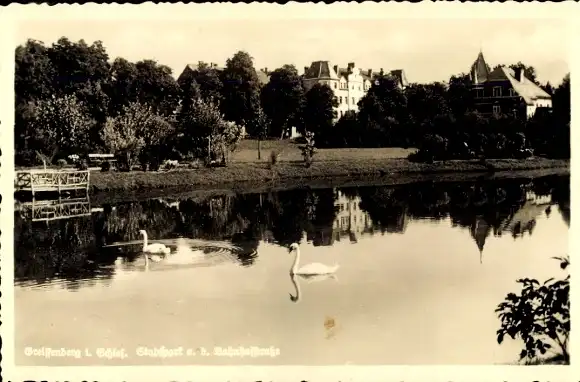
x: 540, y: 316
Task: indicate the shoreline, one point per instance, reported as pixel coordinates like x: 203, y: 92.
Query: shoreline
x: 257, y: 177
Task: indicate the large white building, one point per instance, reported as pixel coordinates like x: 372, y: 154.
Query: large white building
x: 349, y: 84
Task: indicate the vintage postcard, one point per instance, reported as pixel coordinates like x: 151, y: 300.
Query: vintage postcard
x: 252, y: 192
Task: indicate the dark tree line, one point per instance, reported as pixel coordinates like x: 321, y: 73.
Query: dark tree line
x: 441, y: 121
x: 72, y: 99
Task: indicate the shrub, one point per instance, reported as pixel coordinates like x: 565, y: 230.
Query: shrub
x: 540, y: 316
x: 61, y: 163
x: 433, y: 147
x: 308, y: 150
x: 105, y: 166
x: 82, y: 165
x: 274, y: 156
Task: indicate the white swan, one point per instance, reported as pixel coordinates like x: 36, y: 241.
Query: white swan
x: 309, y: 269
x: 154, y: 248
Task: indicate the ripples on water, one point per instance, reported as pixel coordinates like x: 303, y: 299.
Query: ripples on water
x: 397, y: 247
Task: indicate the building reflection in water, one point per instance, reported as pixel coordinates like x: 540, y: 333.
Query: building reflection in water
x: 77, y: 241
x: 521, y: 221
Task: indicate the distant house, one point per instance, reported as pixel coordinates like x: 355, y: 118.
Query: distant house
x: 349, y: 84
x: 263, y: 74
x: 506, y: 91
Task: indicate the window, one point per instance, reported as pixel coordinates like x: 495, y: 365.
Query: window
x: 340, y: 100
x: 479, y: 93
x: 354, y: 103
x: 496, y: 109
x: 515, y: 112
x: 336, y: 99
x: 346, y: 98
x: 497, y: 91
x: 512, y: 93
x: 335, y: 85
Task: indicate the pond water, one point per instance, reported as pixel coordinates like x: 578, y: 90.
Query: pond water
x: 422, y: 268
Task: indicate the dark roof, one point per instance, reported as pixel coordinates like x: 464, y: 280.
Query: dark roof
x: 479, y: 69
x: 526, y: 88
x: 320, y: 70
x: 399, y: 74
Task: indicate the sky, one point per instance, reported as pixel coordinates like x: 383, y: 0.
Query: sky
x: 427, y: 49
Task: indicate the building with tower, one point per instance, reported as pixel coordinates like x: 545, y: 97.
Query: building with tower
x: 504, y: 90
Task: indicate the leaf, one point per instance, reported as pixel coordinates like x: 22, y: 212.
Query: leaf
x: 500, y: 336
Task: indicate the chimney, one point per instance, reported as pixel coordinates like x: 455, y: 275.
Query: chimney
x: 350, y: 65
x: 335, y: 67
x: 370, y: 73
x: 305, y: 69
x: 518, y: 74
x: 266, y: 70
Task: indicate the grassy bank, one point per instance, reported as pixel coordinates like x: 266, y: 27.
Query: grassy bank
x: 202, y: 193
x: 259, y: 174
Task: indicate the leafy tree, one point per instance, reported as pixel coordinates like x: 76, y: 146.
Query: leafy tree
x: 548, y: 88
x: 136, y: 131
x: 189, y: 87
x: 459, y: 95
x: 60, y: 125
x: 283, y: 99
x: 425, y: 102
x: 77, y: 64
x: 529, y: 71
x: 156, y: 87
x: 540, y: 316
x: 549, y: 133
x: 33, y: 81
x: 383, y: 113
x: 259, y: 127
x: 561, y: 100
x: 241, y: 89
x: 319, y: 111
x: 204, y: 133
x: 346, y: 133
x: 33, y: 72
x: 122, y: 88
x: 209, y: 82
x: 83, y: 70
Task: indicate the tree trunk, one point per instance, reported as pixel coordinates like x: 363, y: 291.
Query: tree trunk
x: 259, y: 148
x: 209, y: 150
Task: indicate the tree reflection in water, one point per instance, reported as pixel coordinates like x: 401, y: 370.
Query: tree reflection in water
x: 76, y: 248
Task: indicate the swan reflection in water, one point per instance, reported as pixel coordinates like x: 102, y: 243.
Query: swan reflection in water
x: 180, y: 253
x: 308, y: 278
